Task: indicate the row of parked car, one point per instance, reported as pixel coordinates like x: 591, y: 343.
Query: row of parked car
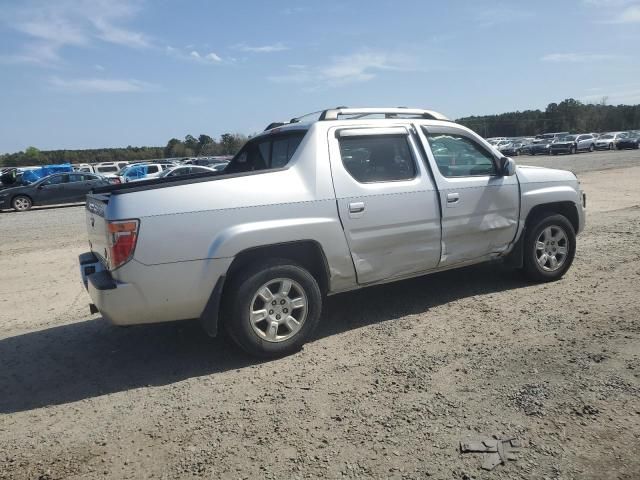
x: 124, y: 172
x: 22, y: 188
x: 565, y: 142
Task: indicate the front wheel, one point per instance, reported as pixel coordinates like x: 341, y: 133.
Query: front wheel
x: 572, y: 150
x: 273, y: 308
x: 591, y: 148
x: 549, y: 248
x: 611, y: 146
x: 21, y: 203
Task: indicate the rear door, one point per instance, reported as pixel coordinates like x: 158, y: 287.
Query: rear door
x: 480, y: 208
x: 386, y: 201
x: 80, y: 184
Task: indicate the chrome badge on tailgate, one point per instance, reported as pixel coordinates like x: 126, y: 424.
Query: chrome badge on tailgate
x: 95, y: 206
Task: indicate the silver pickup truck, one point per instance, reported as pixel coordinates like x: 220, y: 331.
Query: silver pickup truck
x: 323, y: 204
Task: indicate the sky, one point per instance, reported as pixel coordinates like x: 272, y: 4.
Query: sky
x: 112, y: 73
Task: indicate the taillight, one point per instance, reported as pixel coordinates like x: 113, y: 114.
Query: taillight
x: 122, y: 241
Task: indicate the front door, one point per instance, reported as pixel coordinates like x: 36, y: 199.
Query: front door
x: 386, y: 200
x: 480, y: 207
x: 53, y: 190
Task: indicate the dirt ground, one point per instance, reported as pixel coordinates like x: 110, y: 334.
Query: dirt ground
x: 396, y: 376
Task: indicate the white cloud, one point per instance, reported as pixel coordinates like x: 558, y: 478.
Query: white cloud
x: 51, y: 26
x: 628, y: 15
x: 276, y: 47
x: 210, y: 58
x: 358, y: 67
x: 579, y: 57
x: 100, y: 85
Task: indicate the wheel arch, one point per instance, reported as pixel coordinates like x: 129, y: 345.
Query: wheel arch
x: 309, y: 254
x: 306, y: 253
x: 566, y: 208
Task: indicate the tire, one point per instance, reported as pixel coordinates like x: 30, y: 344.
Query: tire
x: 611, y: 146
x: 572, y: 151
x: 274, y: 333
x: 545, y: 237
x: 592, y: 148
x: 21, y: 203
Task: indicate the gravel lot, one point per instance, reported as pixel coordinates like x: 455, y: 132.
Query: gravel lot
x: 397, y: 375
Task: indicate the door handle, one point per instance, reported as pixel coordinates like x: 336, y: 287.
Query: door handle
x: 356, y: 207
x: 453, y: 198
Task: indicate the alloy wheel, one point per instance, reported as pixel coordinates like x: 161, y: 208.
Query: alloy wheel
x: 552, y: 248
x: 21, y: 204
x: 278, y: 310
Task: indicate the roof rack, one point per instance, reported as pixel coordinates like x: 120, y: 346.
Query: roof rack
x: 335, y: 113
x: 354, y: 113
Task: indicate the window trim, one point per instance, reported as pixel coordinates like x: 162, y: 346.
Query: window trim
x: 405, y: 134
x: 428, y: 131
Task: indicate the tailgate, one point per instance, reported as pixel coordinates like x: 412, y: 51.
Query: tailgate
x: 97, y: 225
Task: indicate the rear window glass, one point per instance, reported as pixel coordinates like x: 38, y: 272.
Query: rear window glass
x: 107, y: 169
x: 266, y: 153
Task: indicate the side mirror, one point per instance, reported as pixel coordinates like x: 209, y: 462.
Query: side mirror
x: 507, y: 167
x: 40, y: 187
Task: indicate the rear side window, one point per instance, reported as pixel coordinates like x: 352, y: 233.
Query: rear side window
x: 266, y: 153
x: 459, y: 156
x: 378, y: 158
x: 152, y: 169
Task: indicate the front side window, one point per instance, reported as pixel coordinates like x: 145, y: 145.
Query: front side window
x: 379, y: 158
x: 56, y: 180
x: 459, y: 156
x: 77, y: 178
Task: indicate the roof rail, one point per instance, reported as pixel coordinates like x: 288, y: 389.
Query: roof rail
x: 334, y: 113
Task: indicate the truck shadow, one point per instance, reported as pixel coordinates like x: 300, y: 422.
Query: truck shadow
x: 90, y: 358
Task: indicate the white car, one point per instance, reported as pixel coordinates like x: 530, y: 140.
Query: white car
x: 144, y: 171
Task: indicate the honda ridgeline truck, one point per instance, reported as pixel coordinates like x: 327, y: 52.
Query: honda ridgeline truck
x: 317, y: 206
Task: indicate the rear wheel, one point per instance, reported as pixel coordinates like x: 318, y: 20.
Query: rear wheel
x: 21, y: 203
x: 549, y: 247
x: 273, y: 308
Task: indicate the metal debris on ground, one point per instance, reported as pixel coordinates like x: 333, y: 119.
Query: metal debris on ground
x: 500, y: 449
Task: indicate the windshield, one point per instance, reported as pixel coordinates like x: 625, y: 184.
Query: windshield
x: 568, y: 138
x: 606, y: 137
x: 136, y: 171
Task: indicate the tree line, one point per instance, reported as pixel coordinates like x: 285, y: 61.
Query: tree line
x: 570, y: 115
x: 204, y: 145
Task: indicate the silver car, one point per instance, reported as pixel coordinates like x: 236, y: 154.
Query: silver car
x: 329, y: 203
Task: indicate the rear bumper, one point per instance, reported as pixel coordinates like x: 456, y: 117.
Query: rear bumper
x: 138, y: 294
